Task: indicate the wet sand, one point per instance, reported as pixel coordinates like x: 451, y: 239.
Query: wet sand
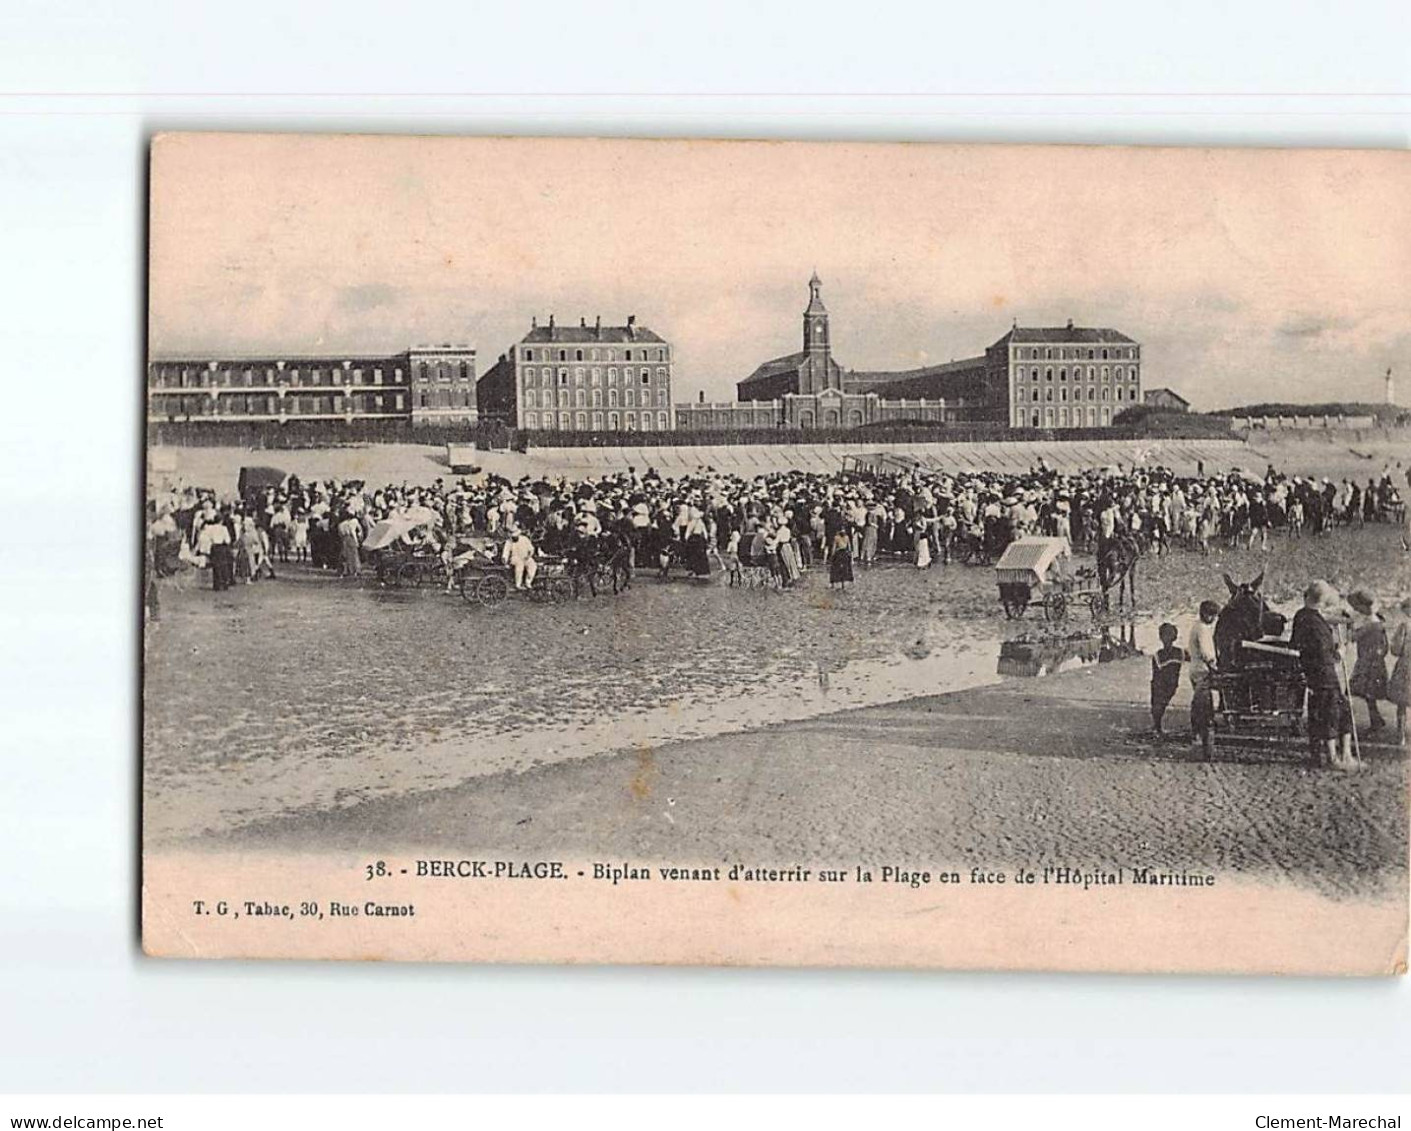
x: 1053, y: 771
x: 698, y: 722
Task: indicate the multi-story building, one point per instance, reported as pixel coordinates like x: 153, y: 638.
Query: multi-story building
x: 424, y: 384
x: 582, y: 378
x: 1064, y: 376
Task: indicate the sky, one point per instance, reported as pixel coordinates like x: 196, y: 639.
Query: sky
x: 1247, y: 275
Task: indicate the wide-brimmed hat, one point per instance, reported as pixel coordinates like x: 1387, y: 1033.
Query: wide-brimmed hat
x: 1363, y: 601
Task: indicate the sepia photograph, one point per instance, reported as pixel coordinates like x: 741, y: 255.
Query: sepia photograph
x: 776, y: 553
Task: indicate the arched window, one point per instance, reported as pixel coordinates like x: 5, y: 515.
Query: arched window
x: 646, y: 376
x: 612, y: 400
x: 546, y: 377
x: 627, y: 355
x: 613, y: 423
x: 528, y: 355
x: 1104, y: 355
x: 528, y: 398
x: 612, y: 375
x: 597, y: 419
x: 531, y: 420
x: 421, y: 371
x: 563, y: 376
x: 1036, y: 393
x: 631, y: 422
x: 528, y: 375
x: 1104, y: 397
x: 628, y: 398
x: 578, y: 355
x: 578, y: 374
x: 597, y: 375
x: 579, y: 398
x: 1063, y: 393
x: 563, y: 355
x: 1048, y: 395
x: 1063, y: 374
x: 581, y: 421
x: 1048, y: 373
x: 662, y: 422
x: 597, y: 398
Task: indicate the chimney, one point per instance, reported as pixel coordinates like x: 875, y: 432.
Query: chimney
x: 598, y: 327
x: 701, y: 394
x: 632, y: 326
x: 551, y: 322
x: 1070, y: 323
x: 533, y: 321
x: 582, y: 322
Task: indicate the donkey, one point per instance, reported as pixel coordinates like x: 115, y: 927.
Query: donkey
x: 1117, y: 567
x: 1246, y: 617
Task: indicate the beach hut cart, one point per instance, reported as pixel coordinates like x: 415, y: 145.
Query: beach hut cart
x: 1035, y: 572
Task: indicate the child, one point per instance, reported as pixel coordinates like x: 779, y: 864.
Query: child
x: 1165, y: 675
x: 1369, y: 673
x: 1399, y: 686
x: 1201, y: 653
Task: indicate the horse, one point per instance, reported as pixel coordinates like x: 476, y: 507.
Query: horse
x: 1117, y: 567
x: 1247, y: 616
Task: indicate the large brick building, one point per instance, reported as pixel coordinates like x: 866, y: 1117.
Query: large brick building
x: 1065, y: 376
x: 424, y: 384
x: 582, y: 378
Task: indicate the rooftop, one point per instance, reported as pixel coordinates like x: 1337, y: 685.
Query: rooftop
x: 583, y: 333
x: 1066, y: 335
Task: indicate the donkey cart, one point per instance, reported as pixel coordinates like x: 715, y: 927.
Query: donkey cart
x: 1035, y: 573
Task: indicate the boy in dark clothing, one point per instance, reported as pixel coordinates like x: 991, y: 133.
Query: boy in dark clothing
x: 1165, y: 675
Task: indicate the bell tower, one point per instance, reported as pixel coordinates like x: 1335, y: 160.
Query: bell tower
x: 816, y: 348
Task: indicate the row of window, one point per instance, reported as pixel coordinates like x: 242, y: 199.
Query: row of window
x: 614, y: 422
x: 594, y: 355
x: 445, y: 398
x: 1073, y: 353
x: 1120, y: 372
x: 444, y: 371
x: 262, y: 404
x: 201, y: 377
x: 1021, y: 395
x: 580, y: 398
x: 1062, y: 418
x: 545, y: 376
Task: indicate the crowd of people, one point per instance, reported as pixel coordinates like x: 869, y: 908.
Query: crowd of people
x: 712, y: 523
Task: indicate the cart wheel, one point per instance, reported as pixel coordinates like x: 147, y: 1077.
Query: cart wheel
x: 409, y: 574
x: 1056, y: 607
x: 491, y: 589
x: 1100, y: 602
x: 561, y: 589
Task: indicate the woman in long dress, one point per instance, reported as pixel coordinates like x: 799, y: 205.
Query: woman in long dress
x: 840, y: 560
x: 790, y: 570
x: 922, y: 541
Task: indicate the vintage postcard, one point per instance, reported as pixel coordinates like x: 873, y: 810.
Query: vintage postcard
x: 986, y: 557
